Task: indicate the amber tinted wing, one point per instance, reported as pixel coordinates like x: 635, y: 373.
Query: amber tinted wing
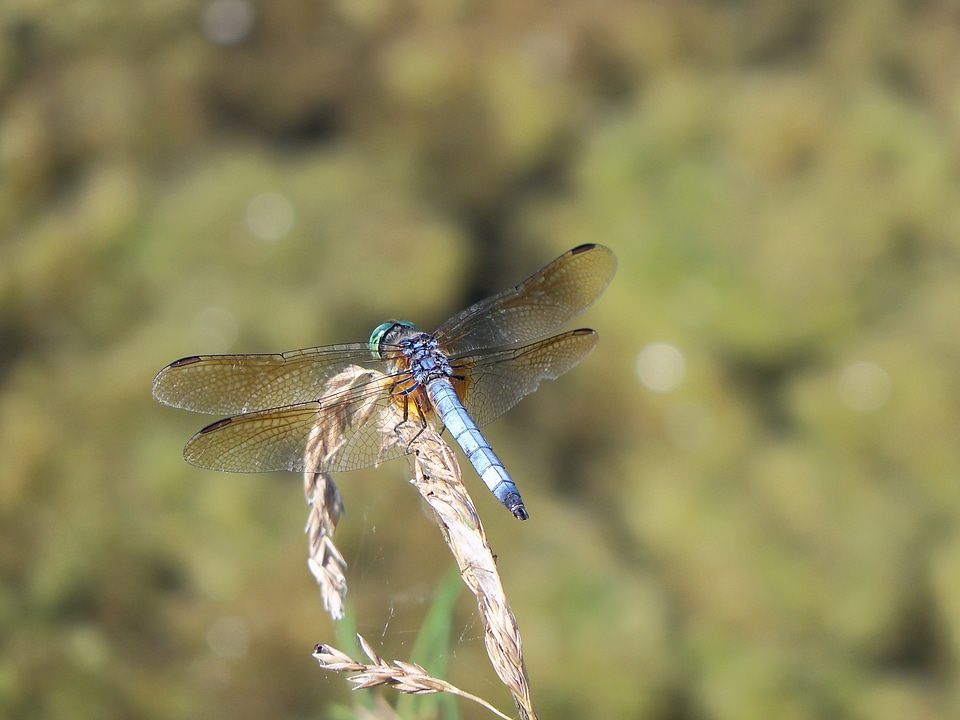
x: 232, y: 384
x: 278, y: 438
x: 537, y: 307
x: 499, y: 380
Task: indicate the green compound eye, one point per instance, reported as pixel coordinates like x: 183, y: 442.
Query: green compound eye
x: 380, y: 332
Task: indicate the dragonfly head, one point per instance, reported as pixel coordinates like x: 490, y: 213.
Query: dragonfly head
x: 387, y: 332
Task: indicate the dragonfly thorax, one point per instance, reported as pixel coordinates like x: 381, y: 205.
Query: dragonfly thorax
x: 423, y: 358
x: 410, y: 351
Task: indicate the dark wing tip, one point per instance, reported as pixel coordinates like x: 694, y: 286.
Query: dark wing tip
x: 602, y: 254
x: 587, y: 247
x: 583, y: 248
x: 198, y: 456
x: 212, y: 427
x: 158, y: 390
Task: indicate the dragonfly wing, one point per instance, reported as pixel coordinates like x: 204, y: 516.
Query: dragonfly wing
x: 499, y: 380
x: 538, y: 306
x: 233, y: 384
x: 338, y: 433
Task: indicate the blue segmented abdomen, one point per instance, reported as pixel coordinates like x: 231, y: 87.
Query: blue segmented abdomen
x: 468, y: 436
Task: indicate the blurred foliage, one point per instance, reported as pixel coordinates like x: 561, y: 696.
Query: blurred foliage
x: 778, y: 536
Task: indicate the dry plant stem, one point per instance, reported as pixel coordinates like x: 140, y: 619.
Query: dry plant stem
x: 324, y: 560
x: 326, y: 507
x: 437, y: 477
x: 408, y: 678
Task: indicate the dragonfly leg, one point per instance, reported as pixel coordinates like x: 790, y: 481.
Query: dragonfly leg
x: 409, y: 398
x: 423, y: 419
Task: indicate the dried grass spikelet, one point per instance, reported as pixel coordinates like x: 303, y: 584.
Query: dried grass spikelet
x: 408, y: 678
x: 438, y: 478
x: 326, y: 506
x: 324, y: 560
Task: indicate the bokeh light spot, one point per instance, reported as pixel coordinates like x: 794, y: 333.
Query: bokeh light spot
x: 661, y: 367
x: 864, y: 387
x: 227, y: 22
x: 270, y: 216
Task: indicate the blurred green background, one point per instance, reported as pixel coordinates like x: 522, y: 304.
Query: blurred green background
x: 745, y: 504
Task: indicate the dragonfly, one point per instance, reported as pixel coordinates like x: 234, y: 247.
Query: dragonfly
x: 474, y: 368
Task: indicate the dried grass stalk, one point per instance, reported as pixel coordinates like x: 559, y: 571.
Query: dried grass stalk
x: 324, y: 560
x: 408, y: 678
x: 326, y: 506
x: 438, y: 478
